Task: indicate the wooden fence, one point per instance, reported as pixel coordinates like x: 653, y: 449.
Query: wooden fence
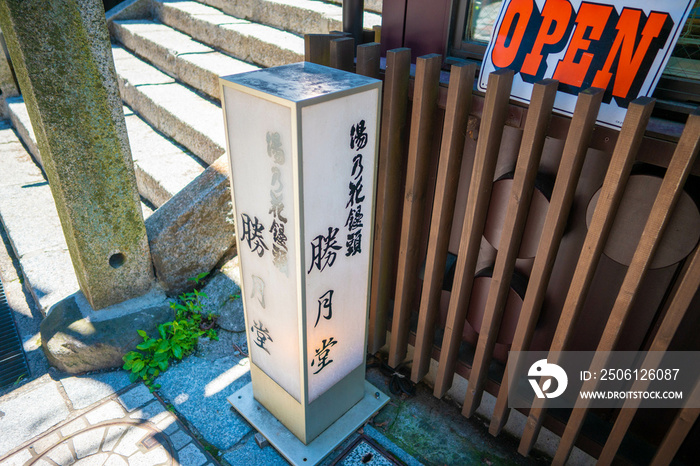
x: 455, y: 142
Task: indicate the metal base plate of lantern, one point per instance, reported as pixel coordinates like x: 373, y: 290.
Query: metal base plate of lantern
x: 286, y: 443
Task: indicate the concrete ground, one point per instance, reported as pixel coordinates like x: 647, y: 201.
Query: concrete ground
x: 54, y: 418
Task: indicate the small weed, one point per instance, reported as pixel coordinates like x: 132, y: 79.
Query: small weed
x: 170, y: 408
x: 175, y: 339
x: 19, y: 379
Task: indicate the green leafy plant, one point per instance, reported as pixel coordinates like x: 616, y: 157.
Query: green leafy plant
x: 175, y: 339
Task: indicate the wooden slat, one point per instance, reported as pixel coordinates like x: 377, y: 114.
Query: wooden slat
x: 449, y: 166
x: 487, y: 148
x: 368, y: 60
x: 517, y: 210
x: 614, y: 184
x: 317, y: 47
x: 678, y: 431
x: 387, y: 220
x: 419, y: 147
x: 343, y: 53
x: 688, y: 286
x: 669, y: 193
x: 573, y: 155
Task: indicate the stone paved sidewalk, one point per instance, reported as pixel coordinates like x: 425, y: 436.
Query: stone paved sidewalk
x: 128, y: 428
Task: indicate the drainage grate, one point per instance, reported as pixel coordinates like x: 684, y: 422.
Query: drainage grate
x: 365, y: 451
x: 13, y: 363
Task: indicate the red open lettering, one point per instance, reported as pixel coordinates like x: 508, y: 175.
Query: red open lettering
x: 506, y: 48
x: 591, y: 16
x: 628, y: 59
x: 557, y: 12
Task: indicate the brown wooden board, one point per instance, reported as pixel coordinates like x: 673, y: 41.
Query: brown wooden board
x: 419, y: 148
x: 678, y: 431
x: 683, y: 296
x: 451, y: 150
x: 388, y: 205
x: 666, y: 200
x: 613, y: 187
x: 516, y: 215
x: 488, y: 145
x: 342, y: 52
x: 368, y: 60
x: 573, y: 155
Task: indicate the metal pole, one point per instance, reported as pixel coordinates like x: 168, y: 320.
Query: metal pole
x: 352, y: 18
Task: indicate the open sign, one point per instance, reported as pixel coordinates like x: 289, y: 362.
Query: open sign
x: 619, y: 46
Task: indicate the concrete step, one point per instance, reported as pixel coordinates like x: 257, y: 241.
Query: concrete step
x: 162, y: 168
x: 172, y: 108
x: 297, y: 16
x: 251, y: 42
x: 177, y: 54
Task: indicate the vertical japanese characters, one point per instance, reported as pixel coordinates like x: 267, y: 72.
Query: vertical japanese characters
x: 325, y: 247
x: 253, y: 233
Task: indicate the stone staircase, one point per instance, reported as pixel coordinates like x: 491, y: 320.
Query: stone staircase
x: 168, y: 56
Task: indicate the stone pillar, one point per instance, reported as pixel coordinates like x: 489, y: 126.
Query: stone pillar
x: 62, y: 57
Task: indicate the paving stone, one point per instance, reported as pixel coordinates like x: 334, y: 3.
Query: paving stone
x: 61, y: 455
x: 155, y: 456
x: 44, y: 443
x: 88, y: 389
x: 198, y: 388
x: 20, y: 424
x: 94, y: 460
x: 129, y: 442
x: 114, y: 434
x: 191, y: 455
x: 18, y: 459
x: 136, y: 397
x: 49, y: 276
x: 250, y: 453
x: 222, y: 347
x: 73, y: 427
x: 106, y: 412
x: 116, y: 460
x: 168, y: 425
x: 88, y: 443
x: 179, y: 439
x: 153, y: 412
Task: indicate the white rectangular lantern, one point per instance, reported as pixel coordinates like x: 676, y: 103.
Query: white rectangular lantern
x: 302, y: 142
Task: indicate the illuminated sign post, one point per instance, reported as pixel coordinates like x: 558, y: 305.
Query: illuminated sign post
x: 621, y: 46
x: 302, y: 143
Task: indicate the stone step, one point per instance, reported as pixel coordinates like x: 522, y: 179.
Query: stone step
x: 162, y: 168
x: 177, y: 54
x: 30, y: 219
x: 172, y: 108
x: 297, y: 16
x: 370, y: 5
x: 251, y: 42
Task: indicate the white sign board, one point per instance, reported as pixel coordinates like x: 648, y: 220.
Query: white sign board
x: 303, y: 142
x: 621, y: 46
